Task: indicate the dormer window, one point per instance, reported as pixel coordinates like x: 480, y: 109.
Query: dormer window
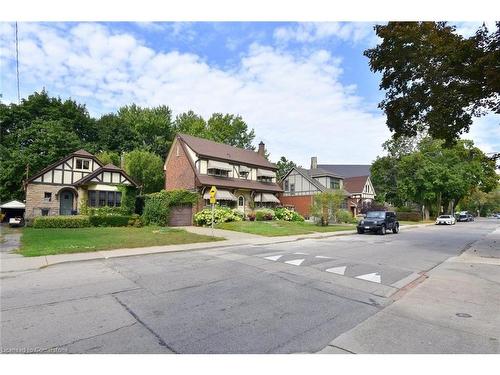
x: 218, y: 168
x: 83, y: 164
x: 334, y: 183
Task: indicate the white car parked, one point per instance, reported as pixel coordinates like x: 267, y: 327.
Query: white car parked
x: 446, y: 219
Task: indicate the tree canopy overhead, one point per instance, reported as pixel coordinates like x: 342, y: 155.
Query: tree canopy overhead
x: 434, y: 79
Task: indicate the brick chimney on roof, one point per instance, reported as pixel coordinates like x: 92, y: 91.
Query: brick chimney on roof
x: 314, y: 162
x: 262, y: 149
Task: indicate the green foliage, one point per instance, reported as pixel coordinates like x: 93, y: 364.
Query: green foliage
x: 409, y: 216
x: 264, y: 214
x: 117, y: 135
x: 152, y: 127
x: 157, y: 206
x: 433, y: 175
x: 109, y: 157
x: 221, y: 215
x: 435, y: 79
x: 229, y: 129
x: 344, y: 216
x: 325, y: 205
x: 485, y: 203
x: 146, y: 169
x: 109, y: 220
x: 129, y: 196
x: 135, y: 221
x: 79, y: 221
x: 284, y: 165
x: 287, y: 215
x: 106, y: 211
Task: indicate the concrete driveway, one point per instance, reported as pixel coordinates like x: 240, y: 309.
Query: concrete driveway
x: 275, y: 298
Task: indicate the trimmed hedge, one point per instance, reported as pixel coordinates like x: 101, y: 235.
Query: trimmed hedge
x: 110, y: 220
x: 79, y: 221
x: 409, y: 216
x: 264, y: 214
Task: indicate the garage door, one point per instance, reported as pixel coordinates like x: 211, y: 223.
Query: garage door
x: 181, y: 216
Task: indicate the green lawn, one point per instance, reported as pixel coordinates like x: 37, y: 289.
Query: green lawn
x: 280, y: 228
x: 35, y: 242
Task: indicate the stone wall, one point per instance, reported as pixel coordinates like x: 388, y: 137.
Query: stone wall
x: 35, y: 200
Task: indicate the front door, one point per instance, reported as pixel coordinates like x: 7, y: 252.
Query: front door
x: 66, y: 203
x: 241, y: 203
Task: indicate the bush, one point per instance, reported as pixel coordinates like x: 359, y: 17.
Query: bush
x: 264, y: 214
x: 344, y: 216
x: 221, y: 215
x: 135, y: 221
x: 107, y: 211
x: 251, y: 216
x: 409, y: 216
x: 239, y: 213
x: 287, y: 215
x: 63, y: 221
x: 109, y: 221
x: 157, y: 206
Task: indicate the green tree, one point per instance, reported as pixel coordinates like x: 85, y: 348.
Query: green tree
x: 115, y: 134
x: 146, y: 168
x: 109, y: 157
x: 229, y: 129
x: 435, y: 79
x: 32, y: 149
x: 284, y: 165
x: 190, y: 123
x: 326, y: 205
x: 152, y: 127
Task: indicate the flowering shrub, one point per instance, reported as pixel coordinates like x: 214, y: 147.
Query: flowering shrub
x: 287, y: 215
x: 264, y: 214
x: 344, y: 216
x: 221, y: 215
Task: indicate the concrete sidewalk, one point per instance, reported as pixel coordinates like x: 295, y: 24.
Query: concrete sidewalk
x: 18, y: 263
x: 456, y: 310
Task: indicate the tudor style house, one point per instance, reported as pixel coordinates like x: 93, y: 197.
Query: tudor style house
x: 62, y: 187
x: 244, y: 178
x: 300, y: 185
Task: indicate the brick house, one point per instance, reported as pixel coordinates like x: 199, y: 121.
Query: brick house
x: 300, y: 185
x: 244, y: 178
x: 62, y: 187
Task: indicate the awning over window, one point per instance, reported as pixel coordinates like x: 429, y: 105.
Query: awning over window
x: 244, y: 169
x: 221, y: 195
x: 14, y: 205
x: 212, y: 164
x: 266, y: 198
x: 265, y: 173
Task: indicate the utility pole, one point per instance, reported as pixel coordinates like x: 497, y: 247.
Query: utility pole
x: 17, y: 67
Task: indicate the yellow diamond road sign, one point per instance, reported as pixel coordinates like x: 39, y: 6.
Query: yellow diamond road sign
x: 213, y: 191
x: 213, y: 200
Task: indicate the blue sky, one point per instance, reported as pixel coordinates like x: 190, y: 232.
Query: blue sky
x: 305, y: 88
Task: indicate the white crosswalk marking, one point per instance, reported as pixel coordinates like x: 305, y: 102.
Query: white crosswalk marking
x: 337, y: 270
x: 323, y: 257
x: 274, y: 257
x: 295, y: 262
x: 300, y: 253
x: 373, y: 277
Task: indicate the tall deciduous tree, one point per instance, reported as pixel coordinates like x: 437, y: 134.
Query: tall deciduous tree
x: 326, y: 204
x: 435, y: 79
x: 152, y: 127
x: 146, y: 168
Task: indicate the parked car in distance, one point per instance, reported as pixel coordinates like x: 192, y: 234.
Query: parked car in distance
x: 446, y: 219
x: 379, y: 222
x: 465, y: 216
x: 17, y: 221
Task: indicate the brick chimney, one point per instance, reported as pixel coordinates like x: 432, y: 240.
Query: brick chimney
x: 262, y: 149
x: 314, y: 162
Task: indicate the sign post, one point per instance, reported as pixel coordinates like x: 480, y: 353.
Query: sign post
x: 213, y: 191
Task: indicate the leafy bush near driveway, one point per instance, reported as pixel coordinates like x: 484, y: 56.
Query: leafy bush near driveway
x: 157, y: 206
x: 63, y: 221
x: 409, y: 216
x: 287, y: 215
x: 221, y: 215
x: 264, y: 214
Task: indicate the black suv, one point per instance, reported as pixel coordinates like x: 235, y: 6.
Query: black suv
x: 379, y: 221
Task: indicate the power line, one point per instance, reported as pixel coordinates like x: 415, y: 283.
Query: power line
x: 17, y: 67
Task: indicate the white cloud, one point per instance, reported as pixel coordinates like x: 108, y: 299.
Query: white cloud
x: 316, y: 31
x: 296, y: 103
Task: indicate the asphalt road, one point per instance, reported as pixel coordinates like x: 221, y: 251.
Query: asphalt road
x: 281, y: 298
